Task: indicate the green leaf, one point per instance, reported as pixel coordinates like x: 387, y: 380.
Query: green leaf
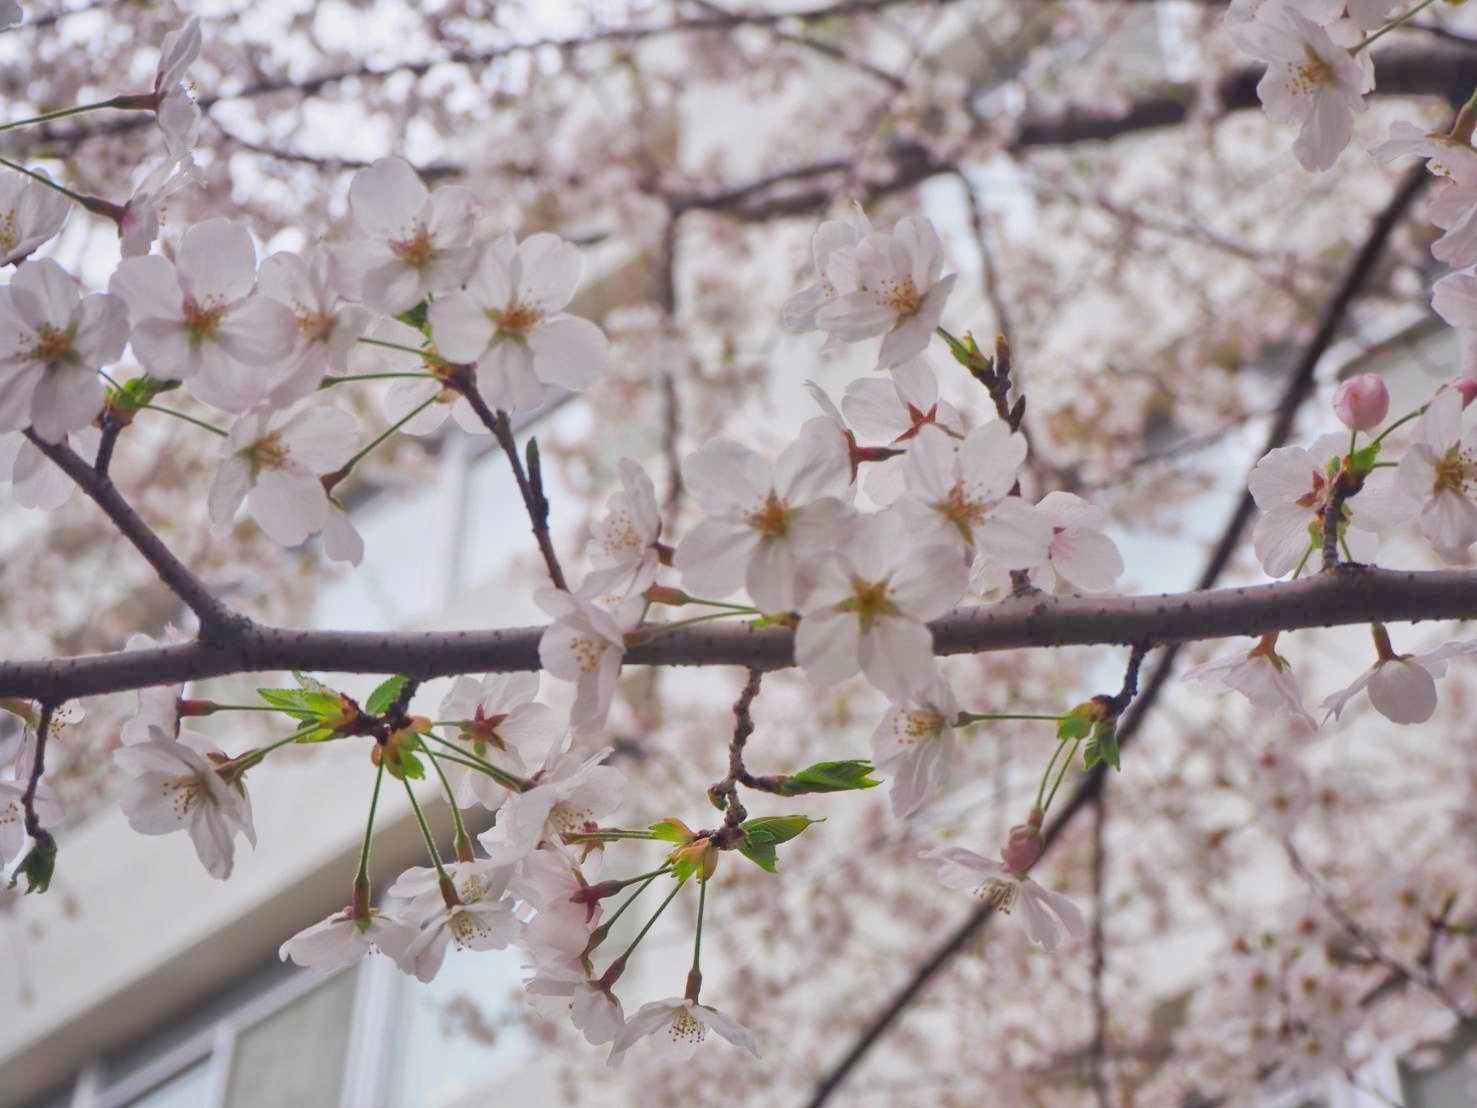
x: 387, y: 693
x: 763, y: 833
x: 1073, y: 725
x: 1102, y: 747
x: 671, y: 831
x: 410, y: 766
x: 830, y: 777
x: 761, y: 854
x: 417, y: 316
x: 1362, y: 460
x: 38, y: 865
x: 304, y: 703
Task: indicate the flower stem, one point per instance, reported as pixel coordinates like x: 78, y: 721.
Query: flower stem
x: 1406, y: 418
x: 348, y: 467
x: 695, y: 975
x: 501, y: 776
x: 978, y: 717
x: 1306, y: 555
x: 1390, y: 26
x: 59, y: 114
x: 329, y: 380
x: 1046, y: 774
x: 362, y: 875
x: 462, y: 843
x: 420, y: 353
x: 420, y: 818
x: 45, y: 180
x: 602, y: 835
x: 616, y: 968
x: 651, y: 631
x: 187, y: 418
x: 1061, y: 774
x: 598, y: 935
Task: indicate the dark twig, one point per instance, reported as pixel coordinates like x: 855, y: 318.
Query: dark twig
x: 726, y: 791
x: 1345, y: 484
x: 38, y: 767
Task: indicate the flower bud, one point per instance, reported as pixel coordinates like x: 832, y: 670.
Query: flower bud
x: 1467, y: 386
x: 1362, y: 402
x: 1023, y: 847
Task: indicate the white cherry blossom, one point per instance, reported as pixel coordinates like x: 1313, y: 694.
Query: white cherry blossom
x: 155, y: 716
x: 624, y: 542
x: 548, y: 881
x: 274, y: 461
x: 175, y: 786
x: 1261, y: 675
x: 138, y: 222
x: 341, y: 540
x: 35, y: 481
x: 571, y: 793
x: 1454, y: 299
x: 178, y: 114
x: 679, y: 1025
x: 13, y: 837
x: 408, y: 242
x: 764, y: 524
x: 1402, y: 687
x: 55, y: 340
x: 483, y: 920
x: 30, y: 214
x: 1048, y: 915
x: 510, y: 320
x: 585, y: 644
x: 915, y: 746
x: 327, y: 330
x: 198, y: 319
x: 896, y: 290
x: 595, y: 1012
x: 1291, y: 486
x: 891, y: 411
x: 341, y: 940
x: 831, y: 237
x: 870, y: 607
x: 1439, y: 472
x: 1061, y: 537
x: 953, y: 486
x: 498, y: 720
x: 405, y: 396
x: 1453, y: 204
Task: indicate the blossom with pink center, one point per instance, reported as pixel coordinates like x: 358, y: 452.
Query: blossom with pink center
x: 1048, y: 915
x: 175, y: 786
x: 764, y: 523
x: 550, y: 882
x: 915, y: 746
x: 585, y: 644
x: 274, y: 462
x: 199, y: 320
x: 156, y: 713
x: 871, y: 603
x: 1291, y: 486
x: 342, y: 939
x: 624, y: 541
x: 952, y: 486
x: 30, y: 214
x: 892, y: 411
x: 497, y: 719
x: 138, y: 222
x: 510, y: 320
x: 831, y: 237
x: 1402, y: 687
x: 429, y: 394
x: 1362, y: 402
x: 678, y: 1025
x: 13, y: 836
x: 1439, y: 472
x: 896, y: 290
x: 1310, y: 80
x: 55, y: 340
x: 407, y: 242
x: 35, y: 482
x: 572, y: 793
x: 327, y: 328
x: 1261, y: 675
x: 1060, y: 540
x: 1453, y: 205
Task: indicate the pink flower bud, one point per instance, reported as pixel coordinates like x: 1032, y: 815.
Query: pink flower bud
x: 1022, y: 848
x: 1467, y: 386
x: 1362, y: 402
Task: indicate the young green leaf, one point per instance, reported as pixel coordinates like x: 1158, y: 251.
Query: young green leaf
x: 1102, y: 747
x: 386, y: 694
x: 830, y: 777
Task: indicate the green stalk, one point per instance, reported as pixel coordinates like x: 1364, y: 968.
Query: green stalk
x: 978, y: 717
x: 187, y: 418
x: 501, y: 776
x: 420, y: 818
x: 461, y: 841
x: 1396, y: 22
x: 59, y: 114
x: 1406, y: 418
x: 348, y: 466
x: 330, y: 380
x: 47, y: 181
x: 362, y: 875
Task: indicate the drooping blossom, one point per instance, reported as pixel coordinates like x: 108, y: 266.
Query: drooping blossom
x: 894, y: 287
x: 551, y: 883
x: 30, y: 214
x: 678, y: 1025
x: 952, y: 486
x: 1047, y: 915
x: 53, y: 341
x: 35, y: 481
x: 596, y: 1013
x: 1310, y: 80
x: 1453, y: 204
x: 1402, y: 687
x: 764, y: 523
x: 274, y: 462
x: 1291, y: 485
x: 178, y: 114
x: 1059, y: 538
x: 870, y: 606
x: 342, y: 939
x: 1261, y: 675
x: 1454, y: 299
x: 199, y: 320
x: 155, y: 716
x: 482, y: 920
x: 831, y: 237
x: 176, y: 786
x: 13, y: 837
x: 510, y: 320
x: 327, y: 328
x: 585, y: 644
x: 571, y: 793
x: 498, y: 720
x: 892, y: 411
x: 624, y: 542
x: 138, y: 219
x: 1439, y: 472
x: 408, y: 242
x: 914, y: 745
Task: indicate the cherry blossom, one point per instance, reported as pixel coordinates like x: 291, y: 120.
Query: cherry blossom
x: 138, y: 222
x: 571, y: 793
x: 1261, y: 675
x: 483, y: 920
x: 1453, y: 206
x: 679, y: 1025
x: 952, y: 486
x: 915, y: 746
x: 198, y: 320
x: 156, y: 713
x: 833, y: 236
x: 418, y: 889
x: 1047, y: 914
x: 510, y: 320
x: 595, y: 1012
x: 1362, y: 402
x: 35, y: 482
x: 30, y: 214
x: 549, y: 881
x: 1439, y: 472
x: 1291, y: 486
x: 341, y: 540
x: 342, y: 939
x: 406, y: 396
x: 1059, y: 538
x: 178, y: 114
x: 764, y: 522
x: 1402, y: 687
x: 1454, y: 299
x: 624, y: 541
x: 13, y: 837
x: 408, y: 242
x: 274, y: 461
x: 584, y: 644
x: 891, y: 411
x: 326, y: 329
x: 894, y: 288
x: 57, y: 340
x: 498, y: 719
x: 871, y: 604
x: 1311, y: 81
x: 176, y: 786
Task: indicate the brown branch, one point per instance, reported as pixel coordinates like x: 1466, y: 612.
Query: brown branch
x: 216, y: 620
x: 724, y: 793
